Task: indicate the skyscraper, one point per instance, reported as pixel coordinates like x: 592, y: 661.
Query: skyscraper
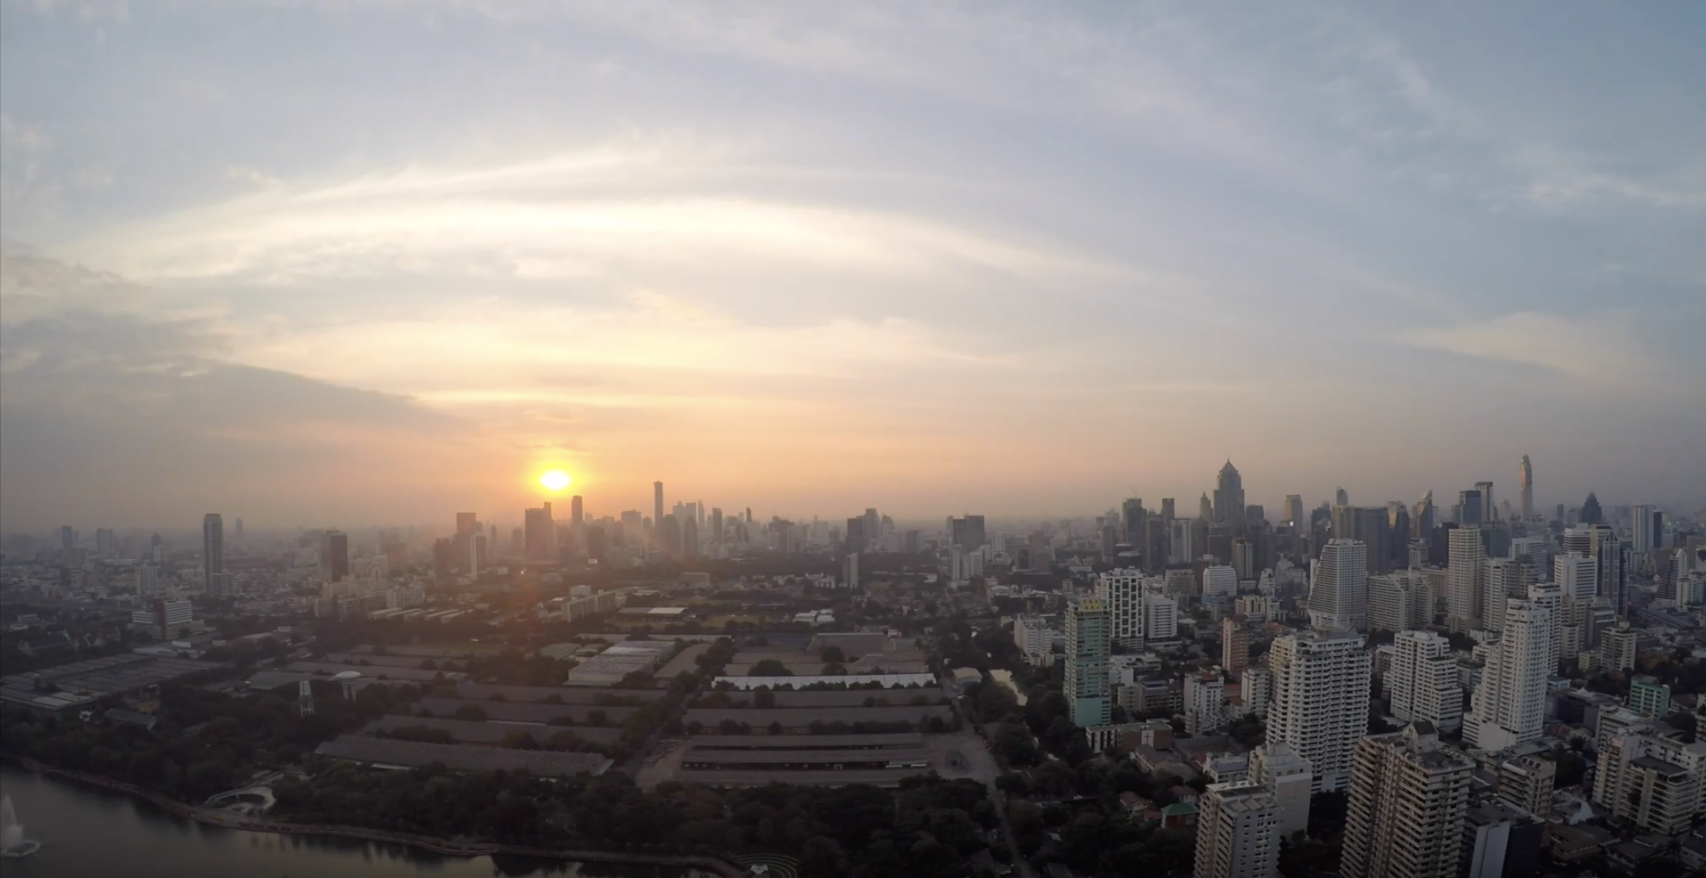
x: 1423, y: 681
x: 1470, y: 508
x: 334, y: 556
x: 1294, y: 510
x: 1229, y: 495
x: 1642, y: 538
x: 1422, y: 521
x: 1238, y: 834
x: 1320, y: 705
x: 577, y: 510
x: 967, y: 532
x: 539, y: 539
x: 657, y: 504
x: 1234, y: 644
x: 1510, y: 704
x: 1168, y: 507
x: 1591, y: 512
x: 1525, y: 481
x: 1341, y: 497
x: 1489, y: 509
x: 1465, y: 573
x: 1087, y: 662
x: 213, y: 553
x: 1131, y: 520
x: 1577, y: 576
x: 466, y: 522
x: 1408, y: 799
x: 1338, y: 588
x: 715, y: 536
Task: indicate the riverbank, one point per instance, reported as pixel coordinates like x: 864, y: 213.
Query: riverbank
x: 230, y: 820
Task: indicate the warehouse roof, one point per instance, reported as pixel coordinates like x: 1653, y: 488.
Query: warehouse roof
x: 412, y: 754
x: 796, y: 757
x: 477, y: 732
x: 808, y: 742
x: 799, y: 717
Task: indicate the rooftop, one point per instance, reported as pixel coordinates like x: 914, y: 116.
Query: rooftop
x: 412, y: 754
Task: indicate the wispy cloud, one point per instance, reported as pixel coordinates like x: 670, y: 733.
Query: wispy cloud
x: 1599, y: 348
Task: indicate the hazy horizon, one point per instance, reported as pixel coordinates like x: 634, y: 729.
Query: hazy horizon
x: 322, y: 265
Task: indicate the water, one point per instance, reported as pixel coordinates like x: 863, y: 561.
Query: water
x: 85, y: 831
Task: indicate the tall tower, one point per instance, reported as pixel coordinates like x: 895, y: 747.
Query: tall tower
x: 1087, y: 662
x: 1121, y: 592
x: 1229, y: 495
x: 1510, y: 704
x: 213, y: 552
x: 1237, y: 832
x: 334, y: 556
x: 1320, y: 706
x: 1408, y: 799
x: 1465, y: 578
x: 1525, y: 481
x: 1294, y: 510
x: 577, y: 511
x: 657, y: 505
x: 1489, y: 510
x: 1338, y: 592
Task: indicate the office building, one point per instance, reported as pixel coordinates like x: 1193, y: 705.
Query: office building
x: 334, y: 556
x: 1409, y: 796
x: 657, y: 504
x: 1257, y: 687
x: 1399, y: 601
x: 715, y: 536
x: 1086, y: 686
x: 850, y: 570
x: 1526, y: 782
x: 1238, y: 832
x: 1338, y: 588
x: 1503, y: 579
x: 1121, y: 591
x: 1205, y: 700
x: 1500, y: 842
x: 1465, y: 570
x: 1510, y: 703
x: 147, y: 580
x: 1289, y: 777
x: 1218, y: 582
x: 1320, y: 705
x: 1469, y: 508
x: 967, y: 532
x: 1649, y: 697
x: 1620, y: 649
x: 1525, y: 481
x: 1294, y: 511
x: 1234, y: 644
x: 1229, y: 496
x: 1577, y: 576
x: 212, y: 553
x: 1654, y: 783
x: 1181, y: 545
x: 1422, y: 682
x: 1160, y: 618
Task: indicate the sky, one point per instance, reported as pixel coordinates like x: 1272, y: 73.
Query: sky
x: 339, y: 263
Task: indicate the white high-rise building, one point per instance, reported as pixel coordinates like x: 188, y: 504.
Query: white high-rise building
x: 1289, y: 777
x: 1161, y: 618
x: 1205, y: 701
x: 147, y: 580
x: 1577, y: 576
x: 1538, y: 550
x: 1641, y: 536
x: 1465, y: 567
x: 1219, y: 581
x: 1408, y: 799
x: 1399, y: 601
x: 1257, y: 687
x: 1238, y: 832
x: 1122, y: 592
x: 1423, y: 681
x: 1338, y: 588
x: 1510, y: 704
x: 1320, y: 706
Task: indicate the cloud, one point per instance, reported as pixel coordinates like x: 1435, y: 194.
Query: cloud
x: 1599, y: 348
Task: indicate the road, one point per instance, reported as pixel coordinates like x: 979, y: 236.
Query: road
x: 979, y: 751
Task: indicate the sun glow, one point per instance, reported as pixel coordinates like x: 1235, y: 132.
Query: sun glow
x: 554, y: 479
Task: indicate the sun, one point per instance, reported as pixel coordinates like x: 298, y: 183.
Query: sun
x: 554, y: 479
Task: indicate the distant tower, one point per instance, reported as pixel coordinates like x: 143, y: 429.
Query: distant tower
x: 212, y: 552
x: 576, y: 510
x: 1229, y: 495
x: 1591, y: 511
x: 1525, y: 481
x: 657, y: 503
x: 305, y: 699
x: 334, y: 556
x: 1489, y: 512
x: 1087, y: 632
x: 1341, y: 498
x: 239, y: 529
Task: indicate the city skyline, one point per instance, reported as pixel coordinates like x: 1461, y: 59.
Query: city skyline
x: 822, y: 259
